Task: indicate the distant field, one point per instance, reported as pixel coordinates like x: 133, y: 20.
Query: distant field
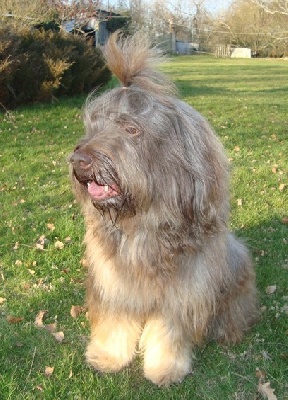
x: 246, y: 101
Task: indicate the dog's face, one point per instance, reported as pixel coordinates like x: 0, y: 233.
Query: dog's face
x: 133, y: 153
x: 146, y: 152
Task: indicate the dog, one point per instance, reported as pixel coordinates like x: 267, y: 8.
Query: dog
x: 151, y: 177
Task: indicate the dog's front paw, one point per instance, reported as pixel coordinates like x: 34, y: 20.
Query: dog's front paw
x: 112, y: 344
x: 167, y: 355
x: 106, y: 359
x: 167, y: 371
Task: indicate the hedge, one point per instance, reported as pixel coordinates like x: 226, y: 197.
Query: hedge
x: 39, y: 65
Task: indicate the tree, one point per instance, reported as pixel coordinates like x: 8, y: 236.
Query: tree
x: 13, y: 13
x: 274, y: 7
x: 246, y: 24
x: 278, y: 12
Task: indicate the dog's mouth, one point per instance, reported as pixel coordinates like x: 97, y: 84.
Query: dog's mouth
x: 96, y: 175
x: 101, y: 192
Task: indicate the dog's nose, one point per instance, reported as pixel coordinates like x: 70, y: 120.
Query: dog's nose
x: 79, y: 159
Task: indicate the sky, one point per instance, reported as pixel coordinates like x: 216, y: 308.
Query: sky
x: 214, y: 6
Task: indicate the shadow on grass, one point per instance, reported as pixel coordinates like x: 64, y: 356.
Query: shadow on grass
x: 187, y: 88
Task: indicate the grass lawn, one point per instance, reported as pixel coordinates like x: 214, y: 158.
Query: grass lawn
x: 246, y: 101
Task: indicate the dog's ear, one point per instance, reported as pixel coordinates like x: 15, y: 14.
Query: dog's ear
x: 204, y: 203
x: 204, y: 198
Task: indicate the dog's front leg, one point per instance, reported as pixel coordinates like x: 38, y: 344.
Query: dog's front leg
x: 113, y: 342
x: 167, y: 352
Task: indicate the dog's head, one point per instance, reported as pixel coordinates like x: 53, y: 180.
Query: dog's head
x: 144, y: 149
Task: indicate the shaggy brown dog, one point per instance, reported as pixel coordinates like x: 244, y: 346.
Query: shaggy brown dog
x: 152, y: 180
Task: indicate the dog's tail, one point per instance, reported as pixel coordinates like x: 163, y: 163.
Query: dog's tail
x: 132, y: 60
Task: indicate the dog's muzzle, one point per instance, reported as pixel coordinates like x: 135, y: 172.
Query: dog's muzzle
x: 96, y: 185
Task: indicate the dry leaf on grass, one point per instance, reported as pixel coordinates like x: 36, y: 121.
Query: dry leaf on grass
x: 59, y: 245
x: 281, y: 187
x: 2, y: 300
x: 266, y: 391
x: 260, y: 374
x: 239, y: 202
x: 59, y: 336
x: 76, y: 311
x: 51, y: 227
x: 11, y: 319
x: 41, y: 242
x: 271, y: 289
x: 51, y: 327
x: 31, y: 271
x: 39, y: 322
x: 49, y: 371
x: 265, y: 355
x: 39, y: 319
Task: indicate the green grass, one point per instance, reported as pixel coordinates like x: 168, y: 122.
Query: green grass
x: 246, y: 101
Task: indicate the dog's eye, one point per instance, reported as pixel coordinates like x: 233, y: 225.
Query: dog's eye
x: 132, y: 130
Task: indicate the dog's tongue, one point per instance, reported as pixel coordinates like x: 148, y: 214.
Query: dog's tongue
x: 100, y: 192
x: 96, y: 190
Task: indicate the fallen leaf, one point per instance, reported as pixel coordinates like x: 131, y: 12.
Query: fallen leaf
x: 76, y: 311
x: 68, y: 240
x: 260, y: 374
x: 266, y: 391
x: 59, y: 336
x: 41, y: 242
x: 274, y: 170
x: 271, y: 289
x: 51, y: 227
x: 237, y: 148
x: 32, y: 272
x: 39, y: 319
x: 2, y: 300
x: 239, y: 202
x: 265, y: 355
x: 284, y: 220
x: 59, y: 245
x: 70, y: 374
x: 49, y: 371
x: 16, y: 246
x: 18, y: 263
x: 281, y: 187
x: 14, y: 320
x: 51, y: 327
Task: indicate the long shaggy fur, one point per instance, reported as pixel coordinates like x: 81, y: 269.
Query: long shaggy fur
x: 164, y: 274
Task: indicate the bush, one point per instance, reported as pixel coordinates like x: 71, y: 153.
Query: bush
x: 38, y: 65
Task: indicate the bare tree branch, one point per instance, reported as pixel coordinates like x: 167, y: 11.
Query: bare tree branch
x: 273, y: 6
